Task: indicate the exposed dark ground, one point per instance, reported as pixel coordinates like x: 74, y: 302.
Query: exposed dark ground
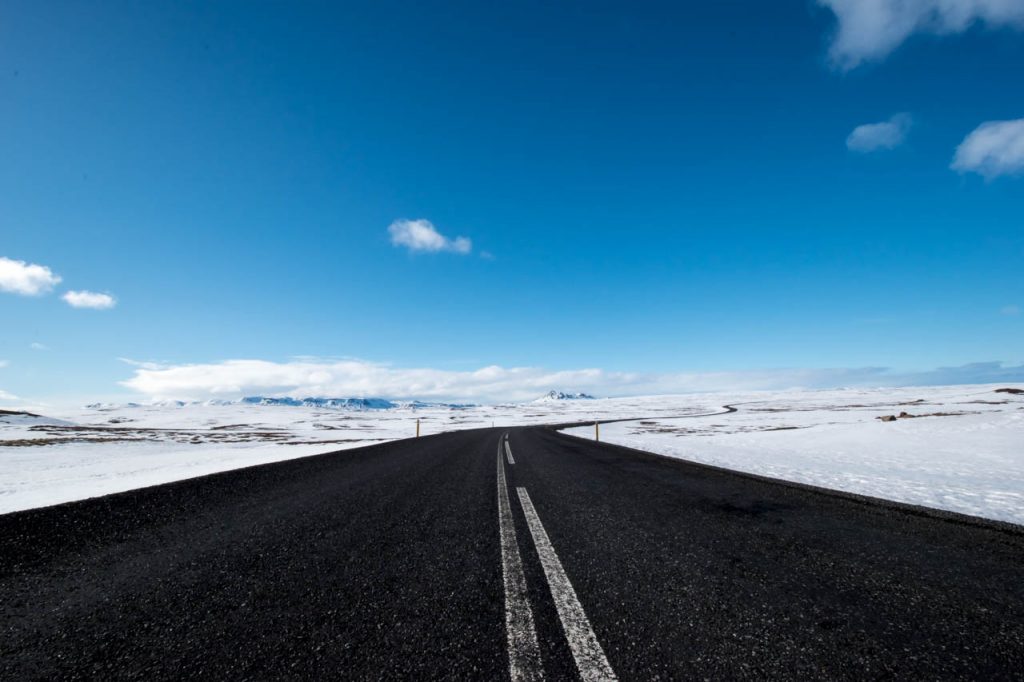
x: 384, y: 562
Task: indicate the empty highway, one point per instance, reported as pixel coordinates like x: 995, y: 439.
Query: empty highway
x: 472, y: 555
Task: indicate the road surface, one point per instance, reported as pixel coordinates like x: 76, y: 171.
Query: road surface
x: 456, y: 556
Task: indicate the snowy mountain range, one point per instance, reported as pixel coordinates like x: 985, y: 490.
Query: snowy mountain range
x: 331, y: 403
x: 356, y: 404
x: 353, y: 404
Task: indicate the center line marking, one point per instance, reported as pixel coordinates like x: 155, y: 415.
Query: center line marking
x: 508, y: 452
x: 524, y: 662
x: 590, y: 658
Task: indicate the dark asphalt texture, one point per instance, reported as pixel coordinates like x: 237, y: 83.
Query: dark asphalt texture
x: 385, y: 563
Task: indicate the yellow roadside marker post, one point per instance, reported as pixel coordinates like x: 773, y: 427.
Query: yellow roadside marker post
x: 597, y: 431
x: 417, y: 427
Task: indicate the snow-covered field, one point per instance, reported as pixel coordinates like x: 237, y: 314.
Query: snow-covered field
x: 104, y: 449
x: 962, y: 448
x: 970, y: 460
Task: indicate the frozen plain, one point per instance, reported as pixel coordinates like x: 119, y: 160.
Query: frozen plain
x: 963, y: 449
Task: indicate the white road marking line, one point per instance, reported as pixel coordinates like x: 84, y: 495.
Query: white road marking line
x: 590, y: 658
x: 508, y: 452
x: 524, y: 662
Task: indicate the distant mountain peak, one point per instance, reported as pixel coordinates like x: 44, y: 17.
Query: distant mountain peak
x: 552, y: 396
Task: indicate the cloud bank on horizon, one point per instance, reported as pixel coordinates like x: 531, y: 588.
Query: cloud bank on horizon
x: 869, y: 30
x: 345, y: 378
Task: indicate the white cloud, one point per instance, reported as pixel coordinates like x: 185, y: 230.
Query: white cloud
x: 871, y: 29
x: 27, y: 279
x: 994, y: 148
x: 885, y: 135
x: 357, y: 378
x: 35, y: 345
x: 89, y: 299
x: 421, y: 235
x: 1011, y: 310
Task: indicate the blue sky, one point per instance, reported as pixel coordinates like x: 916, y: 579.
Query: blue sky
x: 664, y: 195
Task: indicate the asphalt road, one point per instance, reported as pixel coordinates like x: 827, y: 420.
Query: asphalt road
x: 441, y: 558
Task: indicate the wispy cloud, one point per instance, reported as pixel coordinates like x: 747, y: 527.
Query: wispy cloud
x: 4, y: 395
x: 35, y: 345
x: 421, y: 235
x: 992, y: 149
x: 869, y: 30
x: 884, y: 135
x: 89, y: 299
x: 27, y: 279
x: 344, y: 378
x: 1011, y: 310
x: 144, y: 364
